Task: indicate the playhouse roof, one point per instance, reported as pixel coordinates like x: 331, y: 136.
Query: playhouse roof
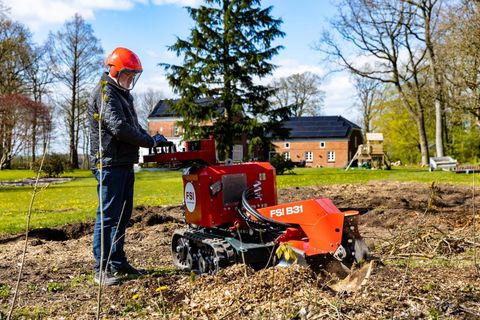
x: 374, y: 136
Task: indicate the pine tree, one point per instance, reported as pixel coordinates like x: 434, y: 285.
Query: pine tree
x: 224, y: 59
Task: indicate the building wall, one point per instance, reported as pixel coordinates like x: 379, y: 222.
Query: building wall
x: 170, y: 130
x: 166, y: 126
x: 343, y: 149
x: 319, y: 149
x: 169, y: 127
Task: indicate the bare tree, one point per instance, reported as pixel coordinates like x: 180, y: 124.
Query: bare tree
x: 17, y: 114
x: 460, y: 57
x: 369, y: 93
x: 15, y: 50
x: 82, y: 139
x: 76, y: 58
x: 384, y: 30
x: 301, y: 92
x: 145, y: 103
x: 428, y: 12
x: 38, y: 77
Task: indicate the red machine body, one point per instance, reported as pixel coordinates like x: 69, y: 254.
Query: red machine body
x: 319, y: 220
x: 212, y: 193
x: 199, y: 150
x: 224, y: 201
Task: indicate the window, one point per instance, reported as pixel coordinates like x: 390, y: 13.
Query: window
x: 322, y: 144
x: 286, y: 155
x: 331, y: 156
x: 287, y: 145
x: 309, y: 156
x: 176, y: 131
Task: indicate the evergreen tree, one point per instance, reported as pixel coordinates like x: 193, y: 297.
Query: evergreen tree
x: 224, y: 59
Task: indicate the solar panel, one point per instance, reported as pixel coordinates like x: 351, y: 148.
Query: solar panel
x: 322, y: 126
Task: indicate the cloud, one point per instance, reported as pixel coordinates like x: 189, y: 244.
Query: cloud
x: 190, y: 3
x: 153, y: 54
x: 338, y: 87
x: 339, y: 95
x: 154, y: 81
x: 163, y: 55
x: 287, y: 67
x: 37, y: 13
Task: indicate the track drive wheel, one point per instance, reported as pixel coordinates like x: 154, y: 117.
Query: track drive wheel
x: 181, y: 252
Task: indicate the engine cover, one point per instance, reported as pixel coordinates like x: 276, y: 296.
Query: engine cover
x: 212, y: 193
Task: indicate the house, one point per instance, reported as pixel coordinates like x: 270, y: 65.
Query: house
x: 163, y: 120
x: 323, y: 141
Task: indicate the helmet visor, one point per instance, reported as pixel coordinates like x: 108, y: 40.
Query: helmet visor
x: 127, y: 78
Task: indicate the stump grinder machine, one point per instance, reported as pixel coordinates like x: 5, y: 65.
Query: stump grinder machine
x: 232, y: 216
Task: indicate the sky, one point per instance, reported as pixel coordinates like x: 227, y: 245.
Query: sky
x: 148, y: 27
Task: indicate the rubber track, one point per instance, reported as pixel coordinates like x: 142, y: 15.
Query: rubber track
x: 222, y: 250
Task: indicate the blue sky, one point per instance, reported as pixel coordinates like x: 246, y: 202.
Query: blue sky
x: 148, y: 27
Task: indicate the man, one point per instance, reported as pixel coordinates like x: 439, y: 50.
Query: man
x: 121, y: 136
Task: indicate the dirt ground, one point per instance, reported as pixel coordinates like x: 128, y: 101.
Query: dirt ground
x: 421, y: 238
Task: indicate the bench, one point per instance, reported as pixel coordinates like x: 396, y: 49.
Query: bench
x: 444, y: 163
x: 467, y: 169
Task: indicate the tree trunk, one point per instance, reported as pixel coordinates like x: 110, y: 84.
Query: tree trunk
x: 34, y: 136
x: 437, y: 91
x: 227, y: 95
x: 367, y: 116
x: 7, y: 154
x: 423, y: 139
x: 77, y: 133
x: 45, y: 140
x: 86, y: 160
x: 73, y: 155
x: 438, y: 128
x: 418, y: 117
x: 427, y: 9
x: 72, y: 121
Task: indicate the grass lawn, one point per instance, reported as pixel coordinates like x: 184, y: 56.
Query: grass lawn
x: 76, y: 200
x: 7, y: 175
x: 318, y: 176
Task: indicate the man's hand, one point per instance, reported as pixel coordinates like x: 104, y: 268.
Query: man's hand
x: 160, y: 140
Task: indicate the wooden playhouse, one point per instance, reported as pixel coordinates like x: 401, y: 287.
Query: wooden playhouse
x: 371, y: 153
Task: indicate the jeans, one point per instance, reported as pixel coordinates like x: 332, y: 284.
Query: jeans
x: 117, y: 195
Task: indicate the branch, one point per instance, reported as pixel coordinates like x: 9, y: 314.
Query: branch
x: 29, y: 214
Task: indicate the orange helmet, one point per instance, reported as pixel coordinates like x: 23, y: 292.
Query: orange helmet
x: 123, y: 61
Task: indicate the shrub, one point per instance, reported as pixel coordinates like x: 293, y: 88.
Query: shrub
x: 281, y: 164
x: 53, y: 166
x: 4, y: 291
x: 55, y: 287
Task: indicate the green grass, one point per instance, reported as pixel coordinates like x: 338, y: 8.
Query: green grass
x: 320, y: 176
x: 16, y: 174
x: 76, y: 200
